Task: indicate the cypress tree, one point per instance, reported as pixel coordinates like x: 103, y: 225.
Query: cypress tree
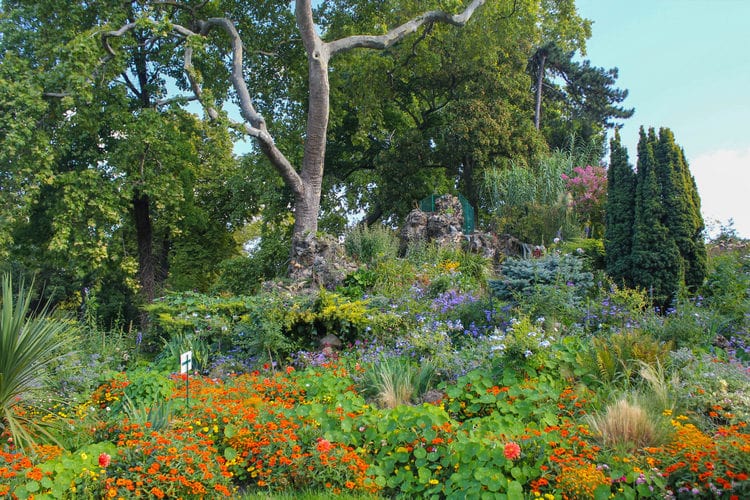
x: 655, y: 258
x: 682, y: 209
x: 620, y: 213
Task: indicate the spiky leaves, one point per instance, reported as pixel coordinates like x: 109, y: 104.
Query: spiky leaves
x: 28, y: 343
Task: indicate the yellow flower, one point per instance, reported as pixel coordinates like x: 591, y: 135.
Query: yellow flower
x: 84, y: 456
x: 434, y: 481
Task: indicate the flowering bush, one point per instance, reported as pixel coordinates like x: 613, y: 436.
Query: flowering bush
x: 588, y: 187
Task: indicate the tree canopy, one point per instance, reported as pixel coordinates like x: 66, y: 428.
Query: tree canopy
x: 117, y: 164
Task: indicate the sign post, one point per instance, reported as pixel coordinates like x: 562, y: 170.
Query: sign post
x: 186, y: 364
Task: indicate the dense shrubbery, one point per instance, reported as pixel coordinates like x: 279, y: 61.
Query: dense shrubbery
x: 552, y: 386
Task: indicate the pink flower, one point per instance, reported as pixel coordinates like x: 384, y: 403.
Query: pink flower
x: 324, y: 445
x: 104, y: 460
x: 512, y: 451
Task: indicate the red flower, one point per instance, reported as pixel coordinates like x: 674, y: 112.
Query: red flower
x: 512, y: 451
x: 104, y: 460
x: 324, y: 445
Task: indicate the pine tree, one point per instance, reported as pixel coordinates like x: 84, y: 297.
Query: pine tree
x: 620, y: 213
x: 655, y: 258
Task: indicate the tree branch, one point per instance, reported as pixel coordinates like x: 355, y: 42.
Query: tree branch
x: 397, y: 34
x: 255, y: 124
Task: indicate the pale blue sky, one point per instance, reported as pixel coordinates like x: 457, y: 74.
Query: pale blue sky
x: 686, y: 64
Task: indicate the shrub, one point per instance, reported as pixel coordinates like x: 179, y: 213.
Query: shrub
x: 618, y: 358
x: 521, y: 277
x: 29, y: 343
x: 727, y: 287
x: 371, y: 244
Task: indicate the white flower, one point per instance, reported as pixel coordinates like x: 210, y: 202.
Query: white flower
x: 527, y: 353
x: 70, y: 113
x: 117, y: 134
x: 540, y: 319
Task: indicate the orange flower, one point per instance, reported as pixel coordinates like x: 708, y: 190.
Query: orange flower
x: 35, y: 474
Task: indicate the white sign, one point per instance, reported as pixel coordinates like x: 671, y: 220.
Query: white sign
x: 186, y: 361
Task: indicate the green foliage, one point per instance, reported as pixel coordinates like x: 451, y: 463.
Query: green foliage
x: 147, y: 389
x: 268, y: 259
x: 179, y: 343
x: 520, y: 277
x: 29, y: 343
x: 370, y: 244
x: 190, y: 314
x: 69, y: 476
x: 591, y: 250
x: 620, y: 212
x: 617, y: 359
x: 260, y: 334
x: 713, y: 392
x: 687, y: 323
x: 395, y: 381
x: 531, y: 203
x: 667, y: 249
x: 682, y: 204
x: 525, y: 342
x: 358, y: 282
x: 727, y: 287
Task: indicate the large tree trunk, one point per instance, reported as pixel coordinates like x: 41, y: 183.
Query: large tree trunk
x: 144, y: 237
x: 307, y: 200
x: 146, y: 265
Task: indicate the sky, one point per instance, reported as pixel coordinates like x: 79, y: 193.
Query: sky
x: 686, y: 65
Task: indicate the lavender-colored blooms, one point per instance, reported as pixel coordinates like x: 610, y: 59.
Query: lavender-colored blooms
x: 450, y: 300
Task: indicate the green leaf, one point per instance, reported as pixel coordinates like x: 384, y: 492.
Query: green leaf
x: 602, y: 492
x: 424, y: 474
x: 230, y: 453
x: 515, y: 491
x: 230, y: 431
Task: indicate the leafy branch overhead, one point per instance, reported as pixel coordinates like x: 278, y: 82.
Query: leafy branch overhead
x: 306, y: 182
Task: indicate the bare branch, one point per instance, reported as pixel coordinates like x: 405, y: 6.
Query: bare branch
x: 397, y: 34
x: 180, y: 99
x: 255, y: 124
x: 117, y: 33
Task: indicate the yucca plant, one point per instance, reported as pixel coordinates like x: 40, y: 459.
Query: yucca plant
x: 29, y: 341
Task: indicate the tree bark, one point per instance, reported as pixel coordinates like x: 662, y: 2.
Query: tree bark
x: 144, y: 238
